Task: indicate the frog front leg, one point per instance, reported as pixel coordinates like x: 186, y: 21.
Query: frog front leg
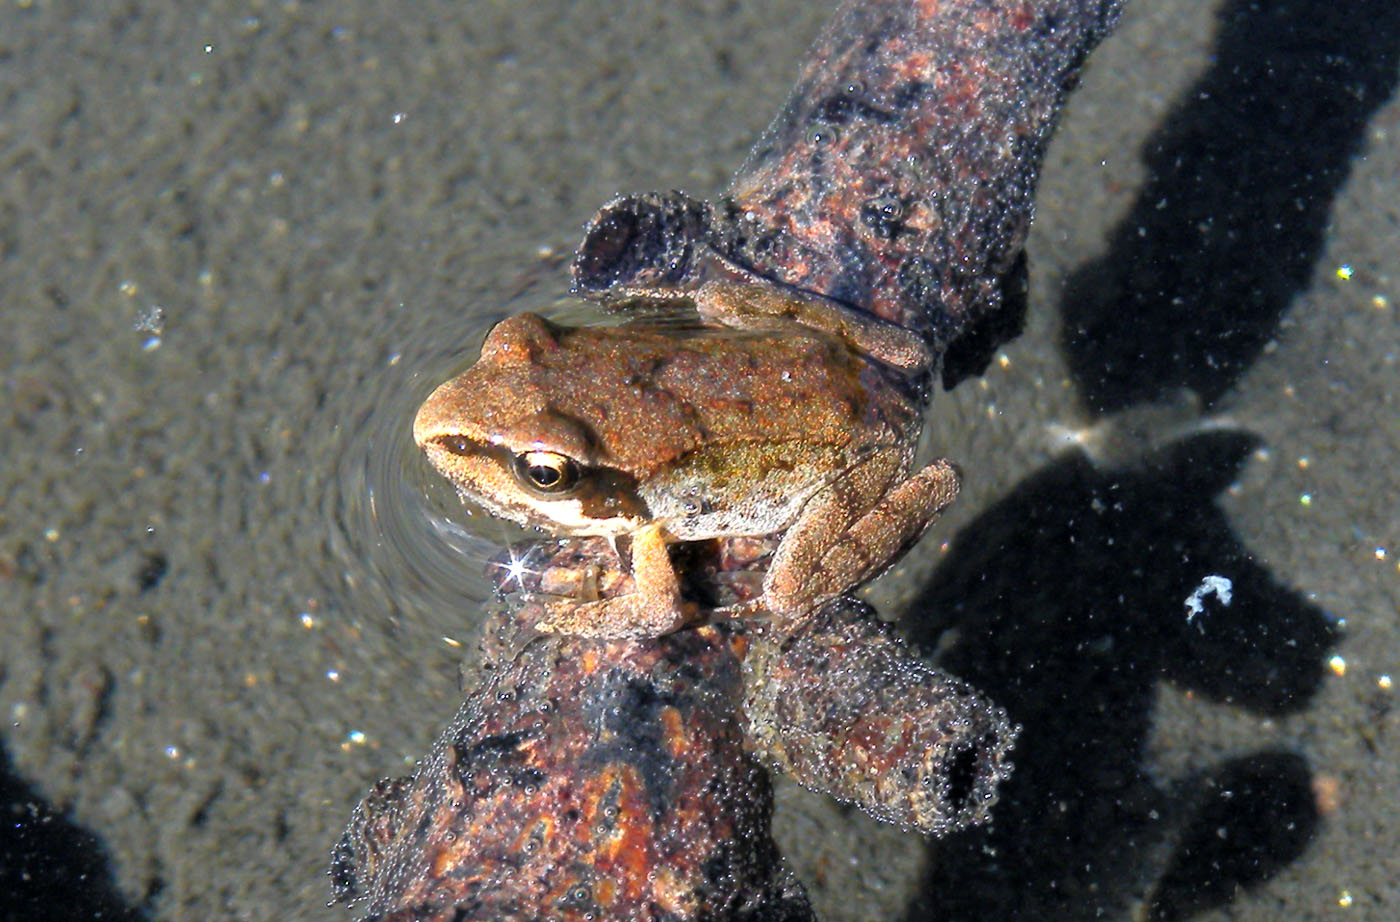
x: 651, y: 609
x: 852, y: 529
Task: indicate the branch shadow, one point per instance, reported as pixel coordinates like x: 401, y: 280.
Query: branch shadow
x: 1232, y: 219
x: 1066, y: 600
x: 51, y: 868
x: 1066, y: 604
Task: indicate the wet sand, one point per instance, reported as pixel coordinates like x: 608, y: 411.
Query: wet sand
x: 217, y: 638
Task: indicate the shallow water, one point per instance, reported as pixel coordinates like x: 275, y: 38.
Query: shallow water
x: 234, y: 596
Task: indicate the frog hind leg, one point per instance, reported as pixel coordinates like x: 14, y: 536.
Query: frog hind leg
x: 652, y: 609
x: 748, y: 305
x: 853, y: 529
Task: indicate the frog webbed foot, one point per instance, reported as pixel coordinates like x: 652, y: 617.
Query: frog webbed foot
x: 853, y: 529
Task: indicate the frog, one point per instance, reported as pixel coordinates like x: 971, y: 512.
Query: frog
x: 741, y: 410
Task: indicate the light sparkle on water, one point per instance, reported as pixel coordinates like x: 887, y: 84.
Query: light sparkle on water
x: 516, y: 570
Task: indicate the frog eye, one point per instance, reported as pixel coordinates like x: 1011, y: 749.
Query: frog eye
x: 546, y: 471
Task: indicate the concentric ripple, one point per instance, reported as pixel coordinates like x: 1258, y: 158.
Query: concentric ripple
x: 411, y: 551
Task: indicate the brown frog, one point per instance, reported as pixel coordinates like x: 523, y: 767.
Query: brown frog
x: 738, y: 420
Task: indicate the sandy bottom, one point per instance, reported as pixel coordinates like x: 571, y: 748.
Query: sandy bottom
x: 228, y: 609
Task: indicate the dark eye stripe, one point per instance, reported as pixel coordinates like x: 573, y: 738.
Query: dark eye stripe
x: 457, y: 444
x: 602, y: 492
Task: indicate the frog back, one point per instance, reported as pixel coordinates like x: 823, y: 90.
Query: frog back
x: 645, y: 397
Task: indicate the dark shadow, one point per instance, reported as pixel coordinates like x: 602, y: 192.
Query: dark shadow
x: 1230, y: 224
x: 1256, y: 815
x: 51, y: 868
x: 1066, y: 603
